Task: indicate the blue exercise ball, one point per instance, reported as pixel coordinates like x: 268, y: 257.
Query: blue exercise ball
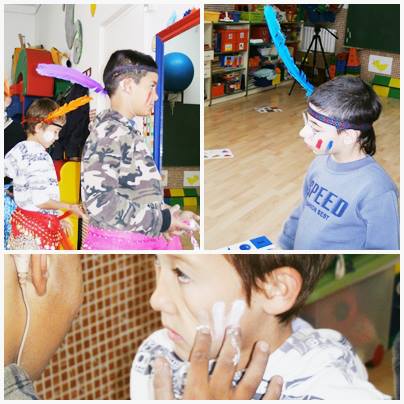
x: 178, y: 72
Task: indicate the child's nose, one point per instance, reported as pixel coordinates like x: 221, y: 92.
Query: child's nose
x: 156, y: 97
x: 160, y: 299
x: 305, y: 132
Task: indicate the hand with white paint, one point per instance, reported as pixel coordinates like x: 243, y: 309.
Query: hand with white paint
x: 181, y: 222
x: 34, y: 267
x: 200, y: 385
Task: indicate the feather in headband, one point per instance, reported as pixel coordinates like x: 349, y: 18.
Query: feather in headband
x: 63, y: 110
x: 283, y: 51
x: 69, y: 74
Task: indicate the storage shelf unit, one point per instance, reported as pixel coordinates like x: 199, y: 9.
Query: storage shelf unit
x: 230, y: 70
x: 291, y: 31
x: 213, y: 73
x: 220, y: 76
x: 208, y: 56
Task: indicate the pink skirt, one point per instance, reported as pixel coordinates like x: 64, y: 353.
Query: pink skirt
x: 101, y: 239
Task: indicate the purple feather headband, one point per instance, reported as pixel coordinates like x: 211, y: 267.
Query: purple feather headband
x: 69, y: 74
x: 77, y: 77
x: 337, y: 123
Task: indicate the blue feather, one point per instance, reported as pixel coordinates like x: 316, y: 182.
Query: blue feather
x: 283, y: 51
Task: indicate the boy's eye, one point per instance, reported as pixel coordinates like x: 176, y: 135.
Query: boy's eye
x: 182, y: 278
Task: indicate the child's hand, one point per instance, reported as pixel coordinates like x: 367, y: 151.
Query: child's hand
x: 191, y: 219
x: 67, y: 226
x: 78, y: 211
x: 182, y: 221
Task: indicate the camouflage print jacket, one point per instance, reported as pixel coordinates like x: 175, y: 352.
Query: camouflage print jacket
x: 121, y: 187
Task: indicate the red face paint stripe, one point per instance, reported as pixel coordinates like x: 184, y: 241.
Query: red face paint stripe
x: 319, y: 143
x: 149, y: 96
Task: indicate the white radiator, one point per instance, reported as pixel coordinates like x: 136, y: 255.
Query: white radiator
x: 327, y: 39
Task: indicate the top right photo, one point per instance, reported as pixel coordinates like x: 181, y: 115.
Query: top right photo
x: 302, y: 126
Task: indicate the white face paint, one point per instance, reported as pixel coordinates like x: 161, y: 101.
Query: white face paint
x: 48, y: 136
x: 231, y: 321
x: 321, y: 139
x: 218, y: 320
x: 236, y: 312
x: 319, y: 142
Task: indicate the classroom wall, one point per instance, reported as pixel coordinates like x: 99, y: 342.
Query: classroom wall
x: 156, y: 19
x: 137, y: 25
x: 15, y: 24
x: 95, y: 359
x: 339, y: 25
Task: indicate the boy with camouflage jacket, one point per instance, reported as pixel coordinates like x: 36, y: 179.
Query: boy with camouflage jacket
x: 121, y: 186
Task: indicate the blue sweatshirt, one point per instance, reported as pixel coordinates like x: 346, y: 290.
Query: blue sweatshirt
x: 346, y: 206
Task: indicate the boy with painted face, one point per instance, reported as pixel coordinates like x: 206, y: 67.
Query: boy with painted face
x: 36, y: 223
x: 255, y: 298
x: 349, y: 201
x: 122, y: 188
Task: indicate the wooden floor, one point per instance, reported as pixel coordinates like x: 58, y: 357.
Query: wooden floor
x: 253, y: 193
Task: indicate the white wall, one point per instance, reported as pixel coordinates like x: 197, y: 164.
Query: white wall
x: 156, y: 18
x: 15, y: 24
x: 134, y: 26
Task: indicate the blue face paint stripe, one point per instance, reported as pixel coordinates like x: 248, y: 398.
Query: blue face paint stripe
x: 330, y: 144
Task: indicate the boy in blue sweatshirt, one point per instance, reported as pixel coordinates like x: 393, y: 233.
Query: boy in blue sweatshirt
x: 349, y: 201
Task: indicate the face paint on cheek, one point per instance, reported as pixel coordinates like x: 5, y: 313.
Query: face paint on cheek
x: 218, y: 320
x: 232, y: 321
x: 236, y: 312
x: 48, y: 136
x: 149, y: 97
x: 319, y: 143
x: 323, y: 143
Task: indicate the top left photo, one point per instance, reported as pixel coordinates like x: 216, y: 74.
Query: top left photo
x: 101, y: 127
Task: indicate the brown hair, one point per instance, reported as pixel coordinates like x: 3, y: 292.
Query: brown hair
x: 253, y: 268
x: 38, y: 111
x: 350, y: 99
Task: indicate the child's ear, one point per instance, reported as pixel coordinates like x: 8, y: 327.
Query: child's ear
x: 38, y: 127
x: 350, y: 136
x: 126, y: 85
x: 279, y: 290
x: 39, y: 273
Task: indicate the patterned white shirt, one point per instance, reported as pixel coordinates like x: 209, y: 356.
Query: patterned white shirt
x: 315, y: 364
x: 34, y: 176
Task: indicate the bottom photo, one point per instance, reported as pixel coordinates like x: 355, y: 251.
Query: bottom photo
x: 201, y: 326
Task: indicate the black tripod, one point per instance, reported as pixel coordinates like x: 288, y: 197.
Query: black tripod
x: 315, y: 40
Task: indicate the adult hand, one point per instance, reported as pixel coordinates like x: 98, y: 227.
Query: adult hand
x: 218, y: 386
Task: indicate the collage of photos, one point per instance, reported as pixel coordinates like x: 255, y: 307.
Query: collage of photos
x: 234, y: 169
